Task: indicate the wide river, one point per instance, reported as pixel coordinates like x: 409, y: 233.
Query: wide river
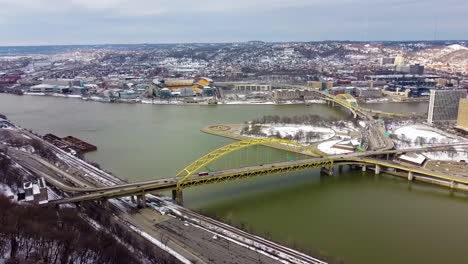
x: 355, y: 217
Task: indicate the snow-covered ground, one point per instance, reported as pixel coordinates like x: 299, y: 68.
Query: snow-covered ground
x: 327, y: 147
x: 5, y: 190
x: 422, y: 133
x: 418, y: 135
x: 461, y: 154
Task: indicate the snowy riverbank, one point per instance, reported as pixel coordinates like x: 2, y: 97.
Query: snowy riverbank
x: 419, y: 135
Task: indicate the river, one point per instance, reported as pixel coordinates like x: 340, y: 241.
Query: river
x: 354, y: 216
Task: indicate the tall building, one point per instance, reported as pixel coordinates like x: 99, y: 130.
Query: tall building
x: 387, y: 61
x: 462, y: 120
x: 443, y: 105
x: 399, y: 60
x: 411, y: 69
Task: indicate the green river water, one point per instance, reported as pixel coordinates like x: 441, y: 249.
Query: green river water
x: 354, y: 216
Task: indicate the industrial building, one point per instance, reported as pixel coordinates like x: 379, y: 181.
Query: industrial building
x: 293, y: 94
x: 341, y: 90
x: 252, y: 87
x: 416, y: 84
x: 413, y: 158
x: 387, y: 61
x: 462, y: 119
x: 363, y: 92
x: 320, y: 85
x: 410, y: 69
x: 49, y: 88
x: 443, y: 105
x: 34, y: 192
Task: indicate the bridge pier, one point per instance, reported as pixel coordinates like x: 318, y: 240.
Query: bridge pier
x: 132, y: 198
x: 410, y: 175
x: 141, y: 200
x: 377, y: 169
x: 364, y: 167
x: 452, y: 185
x: 327, y: 170
x: 104, y: 203
x: 340, y: 168
x: 178, y: 197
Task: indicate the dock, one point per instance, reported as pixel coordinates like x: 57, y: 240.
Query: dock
x: 70, y: 142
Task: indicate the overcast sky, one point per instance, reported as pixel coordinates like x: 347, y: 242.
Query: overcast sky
x: 44, y: 22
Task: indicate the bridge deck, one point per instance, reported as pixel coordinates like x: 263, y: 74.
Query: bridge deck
x: 259, y: 170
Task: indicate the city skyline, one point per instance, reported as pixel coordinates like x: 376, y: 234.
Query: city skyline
x: 51, y: 22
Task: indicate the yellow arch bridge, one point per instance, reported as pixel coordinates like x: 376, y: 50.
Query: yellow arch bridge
x: 188, y: 177
x: 200, y: 163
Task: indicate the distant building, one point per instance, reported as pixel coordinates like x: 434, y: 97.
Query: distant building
x: 189, y: 87
x: 410, y: 69
x: 349, y: 145
x: 288, y: 51
x: 321, y: 85
x: 462, y: 120
x: 252, y: 87
x: 399, y: 60
x: 63, y: 82
x: 9, y: 78
x: 294, y: 94
x: 413, y: 158
x: 363, y: 92
x: 387, y: 61
x: 49, y: 88
x: 341, y: 90
x: 443, y: 105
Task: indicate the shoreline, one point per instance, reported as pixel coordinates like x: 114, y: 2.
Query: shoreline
x: 204, y: 103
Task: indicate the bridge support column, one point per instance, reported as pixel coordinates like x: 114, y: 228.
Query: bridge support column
x: 178, y: 197
x: 452, y: 185
x: 364, y: 167
x: 327, y: 170
x: 333, y: 104
x: 141, y: 201
x: 132, y: 198
x: 388, y: 156
x: 340, y: 168
x: 410, y: 175
x: 377, y: 169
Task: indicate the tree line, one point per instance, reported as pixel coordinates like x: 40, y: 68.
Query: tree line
x: 9, y: 174
x: 32, y: 234
x: 302, y: 119
x: 300, y: 135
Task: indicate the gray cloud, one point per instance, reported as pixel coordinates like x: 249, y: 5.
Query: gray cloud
x: 31, y: 22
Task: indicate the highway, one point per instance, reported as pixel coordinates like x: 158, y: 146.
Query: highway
x: 249, y: 248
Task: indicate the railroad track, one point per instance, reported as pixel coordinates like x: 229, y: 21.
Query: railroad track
x: 281, y: 252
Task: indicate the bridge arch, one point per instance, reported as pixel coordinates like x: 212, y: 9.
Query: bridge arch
x: 344, y: 96
x: 223, y: 151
